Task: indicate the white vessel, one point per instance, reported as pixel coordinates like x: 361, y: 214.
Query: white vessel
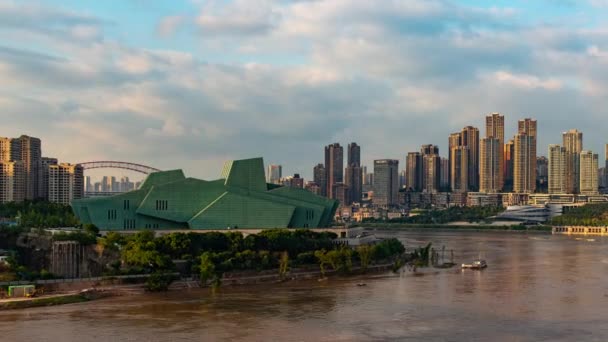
x: 476, y: 265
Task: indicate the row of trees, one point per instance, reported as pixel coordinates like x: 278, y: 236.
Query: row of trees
x: 39, y: 214
x: 452, y: 214
x: 213, y: 254
x: 588, y: 215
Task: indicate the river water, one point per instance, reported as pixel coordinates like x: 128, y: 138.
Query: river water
x: 536, y: 288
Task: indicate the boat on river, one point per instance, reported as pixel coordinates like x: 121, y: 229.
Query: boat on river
x: 476, y: 265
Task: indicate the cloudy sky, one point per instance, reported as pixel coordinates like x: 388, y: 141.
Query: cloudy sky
x: 190, y: 84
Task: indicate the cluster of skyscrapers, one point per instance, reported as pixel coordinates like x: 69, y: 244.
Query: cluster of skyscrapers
x: 26, y: 175
x: 476, y: 164
x: 110, y: 184
x: 488, y: 164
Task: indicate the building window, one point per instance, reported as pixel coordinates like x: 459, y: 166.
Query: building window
x: 162, y: 205
x: 126, y: 205
x: 112, y: 214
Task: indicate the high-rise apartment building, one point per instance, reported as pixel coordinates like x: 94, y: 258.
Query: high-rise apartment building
x: 66, y: 183
x: 6, y: 151
x: 12, y: 181
x: 386, y: 182
x: 453, y: 141
x: 44, y: 182
x: 470, y: 138
x: 334, y: 167
x: 88, y: 185
x: 490, y: 165
x: 274, y: 173
x: 354, y: 182
x: 573, y: 143
x: 459, y: 169
x: 353, y: 154
x: 29, y: 151
x: 319, y: 175
x: 588, y: 173
x: 413, y: 171
x: 444, y: 179
x: 495, y: 128
x: 527, y: 126
x: 542, y: 174
x: 431, y: 168
x: 557, y: 170
x: 524, y: 163
x: 353, y: 176
x: 509, y: 153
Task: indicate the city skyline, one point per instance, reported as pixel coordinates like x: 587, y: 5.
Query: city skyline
x: 191, y: 86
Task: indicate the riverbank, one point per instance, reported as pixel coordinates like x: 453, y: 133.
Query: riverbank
x: 56, y: 299
x: 457, y: 228
x: 229, y: 280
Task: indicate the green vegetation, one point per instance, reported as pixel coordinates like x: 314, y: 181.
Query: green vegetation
x: 452, y: 214
x: 159, y: 281
x: 39, y: 214
x: 213, y: 254
x: 588, y: 215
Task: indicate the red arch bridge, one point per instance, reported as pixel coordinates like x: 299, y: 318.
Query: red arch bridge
x: 110, y: 164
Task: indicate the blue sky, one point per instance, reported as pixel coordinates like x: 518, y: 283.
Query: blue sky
x: 190, y: 84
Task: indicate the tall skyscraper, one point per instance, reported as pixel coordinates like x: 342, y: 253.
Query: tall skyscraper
x: 334, y: 167
x: 588, y: 173
x: 509, y: 153
x: 66, y: 183
x: 573, y: 143
x: 274, y: 174
x: 354, y: 154
x: 45, y: 164
x: 431, y: 168
x: 542, y: 174
x: 459, y: 169
x: 319, y: 177
x: 444, y: 179
x: 453, y: 141
x: 12, y: 181
x: 413, y: 171
x: 495, y: 128
x: 490, y: 170
x: 88, y: 186
x: 557, y: 170
x: 527, y: 126
x: 524, y: 163
x: 386, y: 182
x: 28, y: 150
x: 354, y: 180
x: 470, y: 138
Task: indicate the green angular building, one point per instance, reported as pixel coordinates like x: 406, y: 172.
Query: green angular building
x: 241, y: 198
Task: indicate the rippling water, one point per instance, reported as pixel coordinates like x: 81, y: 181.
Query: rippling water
x: 537, y: 287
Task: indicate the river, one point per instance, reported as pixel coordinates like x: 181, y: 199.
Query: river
x: 536, y: 288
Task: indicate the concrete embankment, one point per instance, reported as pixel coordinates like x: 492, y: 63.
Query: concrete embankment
x: 56, y: 299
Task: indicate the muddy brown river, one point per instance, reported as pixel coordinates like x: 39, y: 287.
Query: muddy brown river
x: 536, y: 288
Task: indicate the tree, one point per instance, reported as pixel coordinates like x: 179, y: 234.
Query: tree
x: 283, y: 265
x: 207, y: 268
x: 365, y: 256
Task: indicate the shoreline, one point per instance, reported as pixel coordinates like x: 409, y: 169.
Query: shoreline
x: 243, y: 279
x: 455, y: 228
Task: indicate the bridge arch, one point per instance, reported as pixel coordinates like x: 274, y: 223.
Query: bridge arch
x: 108, y: 164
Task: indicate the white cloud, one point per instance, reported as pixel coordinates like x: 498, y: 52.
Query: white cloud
x: 526, y: 81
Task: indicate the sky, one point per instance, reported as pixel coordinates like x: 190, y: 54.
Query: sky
x: 191, y: 84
